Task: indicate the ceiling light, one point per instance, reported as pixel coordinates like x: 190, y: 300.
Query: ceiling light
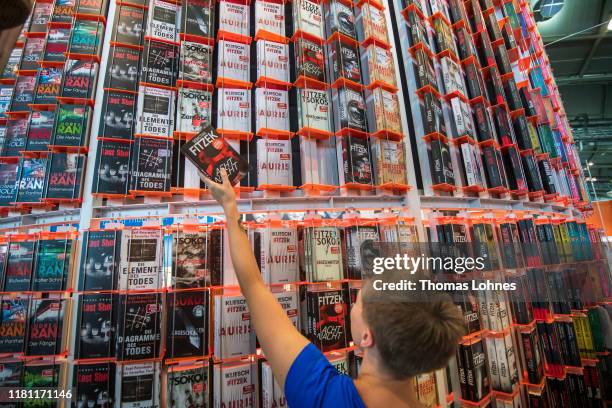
x: 610, y: 25
x: 593, y: 178
x: 589, y: 163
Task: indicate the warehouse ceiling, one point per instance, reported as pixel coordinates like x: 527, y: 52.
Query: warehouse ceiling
x: 582, y: 65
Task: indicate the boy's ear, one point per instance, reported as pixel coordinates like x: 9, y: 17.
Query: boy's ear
x: 367, y: 338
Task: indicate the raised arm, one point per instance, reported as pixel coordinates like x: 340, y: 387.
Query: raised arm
x: 279, y: 339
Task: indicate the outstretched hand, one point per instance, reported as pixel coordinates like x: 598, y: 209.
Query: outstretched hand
x: 222, y: 192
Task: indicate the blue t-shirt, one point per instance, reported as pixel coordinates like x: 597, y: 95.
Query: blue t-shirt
x: 313, y: 382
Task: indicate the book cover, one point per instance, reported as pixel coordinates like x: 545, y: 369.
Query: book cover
x: 160, y: 66
x: 123, y: 68
x: 313, y: 109
x: 94, y: 385
x: 289, y: 303
x: 234, y: 60
x: 96, y: 330
x: 340, y: 362
x: 270, y: 17
x: 86, y: 36
x: 16, y: 135
x: 274, y: 164
x: 96, y: 7
x: 234, y: 18
x: 12, y: 64
x: 57, y: 44
x: 155, y: 111
x: 13, y: 323
x: 189, y: 386
x: 39, y: 376
x: 64, y: 176
x: 196, y: 62
x: 426, y: 389
x: 151, y: 164
x: 79, y: 79
x: 31, y: 180
x: 210, y: 154
x: 112, y: 165
x: 140, y: 261
x: 386, y: 111
x: 51, y: 265
x: 380, y: 65
x: 8, y: 183
x: 514, y: 169
x: 233, y: 335
x: 48, y: 85
x: 235, y: 385
x: 272, y: 109
x: 309, y: 59
x: 340, y: 18
x: 190, y: 264
x: 6, y: 97
x: 23, y: 95
x: 344, y: 60
x: 350, y: 110
x: 138, y: 385
x: 492, y: 167
x: 357, y: 162
x: 71, y: 125
x: 40, y: 130
x: 324, y: 317
x: 129, y: 25
x: 11, y: 373
x: 138, y: 326
x: 100, y: 255
x: 272, y: 59
x: 118, y: 110
x: 278, y: 257
x: 197, y: 18
x: 40, y: 17
x: 187, y: 324
x: 163, y: 20
x: 32, y: 53
x: 358, y: 238
x: 45, y: 327
x: 234, y: 109
x: 374, y: 23
x: 327, y: 251
x: 431, y: 110
x: 440, y: 163
x: 308, y: 17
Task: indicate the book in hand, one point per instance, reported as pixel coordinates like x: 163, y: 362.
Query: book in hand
x: 211, y: 153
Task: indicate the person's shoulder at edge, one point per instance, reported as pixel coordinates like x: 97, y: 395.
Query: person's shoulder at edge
x: 313, y: 382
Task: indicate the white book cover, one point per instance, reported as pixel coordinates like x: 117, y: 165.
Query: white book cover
x: 466, y: 112
x: 155, y: 111
x: 308, y: 17
x: 490, y: 344
x: 279, y: 255
x: 193, y: 110
x: 235, y: 385
x: 485, y: 324
x: 327, y: 254
x: 459, y: 119
x: 272, y: 395
x: 391, y: 110
x: 234, y: 18
x: 273, y: 60
x: 466, y: 153
x: 308, y: 162
x: 163, y: 20
x: 270, y: 17
x: 503, y: 310
x: 233, y: 332
x: 234, y: 61
x: 272, y: 109
x: 313, y: 106
x: 326, y: 160
x: 505, y: 381
x: 274, y: 162
x: 140, y: 261
x: 137, y: 385
x: 493, y: 309
x: 512, y: 365
x: 289, y: 303
x: 234, y: 109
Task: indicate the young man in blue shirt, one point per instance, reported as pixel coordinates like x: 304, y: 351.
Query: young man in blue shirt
x: 398, y: 339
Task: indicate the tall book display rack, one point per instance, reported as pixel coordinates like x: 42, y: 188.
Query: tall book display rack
x: 377, y: 120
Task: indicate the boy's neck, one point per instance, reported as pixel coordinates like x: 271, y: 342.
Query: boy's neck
x: 378, y: 389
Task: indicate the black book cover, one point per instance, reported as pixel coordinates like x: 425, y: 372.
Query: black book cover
x: 547, y: 177
x: 190, y: 260
x: 345, y: 62
x: 423, y: 66
x: 210, y: 153
x: 491, y: 167
x: 51, y: 265
x: 151, y: 165
x: 129, y: 25
x: 13, y: 323
x: 19, y: 266
x: 340, y: 18
x: 325, y: 318
x: 16, y: 137
x: 501, y: 58
x: 100, y: 258
x: 95, y: 338
x: 124, y: 65
x: 39, y: 376
x: 505, y: 133
x: 440, y: 163
x: 357, y: 160
x: 469, y: 372
x: 309, y: 57
x: 63, y: 11
x: 351, y: 109
x: 521, y: 131
x: 71, y: 125
x: 12, y: 65
x: 418, y: 32
x: 432, y: 115
x: 48, y: 85
x: 160, y: 65
x: 464, y: 43
x: 481, y: 375
x: 40, y: 130
x: 8, y: 183
x: 32, y: 53
x: 45, y: 328
x: 64, y: 176
x: 197, y: 18
x: 138, y: 326
x: 57, y: 44
x: 86, y: 37
x: 79, y: 79
x: 513, y: 99
x: 532, y: 175
x: 514, y: 169
x: 10, y: 377
x: 527, y: 102
x: 474, y: 81
x: 97, y: 7
x: 462, y: 372
x: 31, y: 180
x: 118, y: 113
x: 94, y: 385
x: 112, y: 165
x: 531, y: 354
x: 187, y: 325
x: 23, y: 95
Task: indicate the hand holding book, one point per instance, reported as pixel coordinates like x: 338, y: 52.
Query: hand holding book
x: 222, y: 192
